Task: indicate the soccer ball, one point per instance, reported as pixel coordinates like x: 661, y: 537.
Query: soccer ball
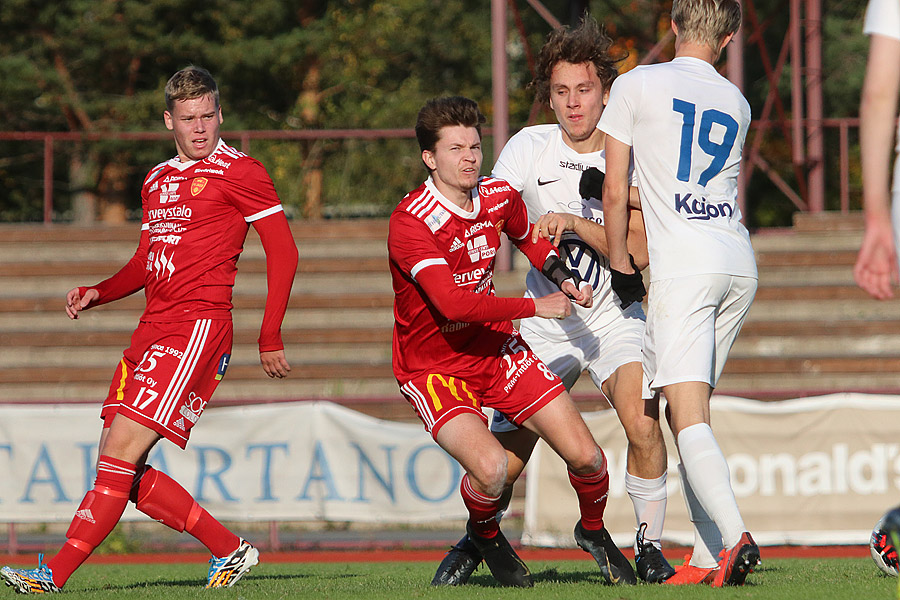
x: 884, y: 542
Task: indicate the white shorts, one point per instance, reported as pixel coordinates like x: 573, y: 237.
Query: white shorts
x: 598, y: 353
x: 692, y: 323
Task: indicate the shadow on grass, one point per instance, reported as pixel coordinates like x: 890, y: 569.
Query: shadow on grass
x: 198, y: 583
x: 551, y: 575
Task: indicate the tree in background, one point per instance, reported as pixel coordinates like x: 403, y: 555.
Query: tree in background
x: 100, y: 66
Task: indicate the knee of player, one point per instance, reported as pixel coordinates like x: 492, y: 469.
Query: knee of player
x: 643, y: 432
x: 589, y: 459
x: 490, y: 472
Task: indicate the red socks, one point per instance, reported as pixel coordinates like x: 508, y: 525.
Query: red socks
x: 592, y: 491
x: 482, y: 510
x: 162, y: 499
x: 98, y: 513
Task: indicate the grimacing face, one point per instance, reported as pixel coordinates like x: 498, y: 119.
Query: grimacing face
x: 195, y: 123
x: 456, y: 160
x: 577, y: 98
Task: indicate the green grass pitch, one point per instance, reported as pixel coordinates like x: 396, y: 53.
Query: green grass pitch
x: 776, y: 579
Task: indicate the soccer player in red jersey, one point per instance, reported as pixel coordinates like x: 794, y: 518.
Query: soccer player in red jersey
x: 455, y: 348
x: 197, y: 209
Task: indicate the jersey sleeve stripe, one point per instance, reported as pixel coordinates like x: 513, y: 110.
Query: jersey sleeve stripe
x: 421, y: 205
x: 264, y: 213
x: 428, y: 262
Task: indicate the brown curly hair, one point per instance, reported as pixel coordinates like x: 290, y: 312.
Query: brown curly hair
x: 588, y: 42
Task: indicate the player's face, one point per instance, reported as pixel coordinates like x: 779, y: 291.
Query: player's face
x: 195, y: 123
x: 577, y: 97
x: 455, y: 161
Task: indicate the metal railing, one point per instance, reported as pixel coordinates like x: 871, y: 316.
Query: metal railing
x: 50, y: 140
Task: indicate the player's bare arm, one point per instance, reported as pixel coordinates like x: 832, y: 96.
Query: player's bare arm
x: 876, y: 265
x: 615, y: 203
x: 75, y: 302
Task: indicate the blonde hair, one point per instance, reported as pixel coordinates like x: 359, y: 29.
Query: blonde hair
x: 706, y: 22
x: 189, y: 83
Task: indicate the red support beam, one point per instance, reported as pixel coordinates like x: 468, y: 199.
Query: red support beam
x: 815, y: 138
x: 48, y: 179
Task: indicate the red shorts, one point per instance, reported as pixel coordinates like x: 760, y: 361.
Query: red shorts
x: 515, y: 382
x: 168, y: 374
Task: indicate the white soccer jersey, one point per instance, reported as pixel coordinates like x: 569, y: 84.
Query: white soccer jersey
x: 686, y: 125
x: 538, y: 163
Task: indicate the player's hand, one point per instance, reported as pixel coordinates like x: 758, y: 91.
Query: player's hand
x: 555, y: 306
x: 583, y: 296
x: 876, y: 265
x: 275, y: 364
x: 76, y: 303
x: 591, y: 183
x: 629, y: 287
x: 551, y: 227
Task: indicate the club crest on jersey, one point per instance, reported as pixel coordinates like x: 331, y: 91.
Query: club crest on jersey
x: 438, y: 218
x: 456, y: 245
x: 197, y: 185
x: 223, y: 365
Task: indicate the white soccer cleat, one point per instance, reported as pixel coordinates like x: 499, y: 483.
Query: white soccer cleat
x: 226, y: 571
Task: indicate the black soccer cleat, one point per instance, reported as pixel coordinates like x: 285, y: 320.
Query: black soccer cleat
x: 459, y: 564
x: 614, y: 567
x: 501, y: 559
x: 649, y: 561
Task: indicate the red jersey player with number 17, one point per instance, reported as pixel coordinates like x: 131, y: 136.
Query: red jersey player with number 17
x: 197, y: 208
x: 455, y: 348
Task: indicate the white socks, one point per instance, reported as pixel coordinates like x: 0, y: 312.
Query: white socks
x: 707, y: 540
x: 706, y: 471
x: 649, y: 499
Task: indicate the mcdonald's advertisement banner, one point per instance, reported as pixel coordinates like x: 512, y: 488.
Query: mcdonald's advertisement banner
x: 806, y: 471
x: 288, y: 461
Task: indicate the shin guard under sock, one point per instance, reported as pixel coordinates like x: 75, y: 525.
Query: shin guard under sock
x: 163, y: 499
x: 98, y: 513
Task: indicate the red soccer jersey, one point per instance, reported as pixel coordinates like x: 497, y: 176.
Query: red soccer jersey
x: 427, y: 232
x: 196, y: 216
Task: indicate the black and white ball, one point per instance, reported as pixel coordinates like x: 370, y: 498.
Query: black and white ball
x: 884, y: 541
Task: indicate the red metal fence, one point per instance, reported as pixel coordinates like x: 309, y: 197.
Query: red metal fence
x: 753, y: 160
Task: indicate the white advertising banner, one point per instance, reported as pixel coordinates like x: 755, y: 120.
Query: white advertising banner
x: 288, y: 461
x: 806, y: 471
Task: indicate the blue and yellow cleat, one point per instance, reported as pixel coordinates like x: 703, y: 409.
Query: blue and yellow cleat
x: 226, y: 571
x: 30, y: 581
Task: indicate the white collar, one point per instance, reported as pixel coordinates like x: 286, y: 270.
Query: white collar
x: 452, y: 206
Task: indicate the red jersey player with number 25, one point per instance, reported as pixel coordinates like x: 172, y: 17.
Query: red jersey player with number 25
x: 197, y: 209
x: 455, y: 348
